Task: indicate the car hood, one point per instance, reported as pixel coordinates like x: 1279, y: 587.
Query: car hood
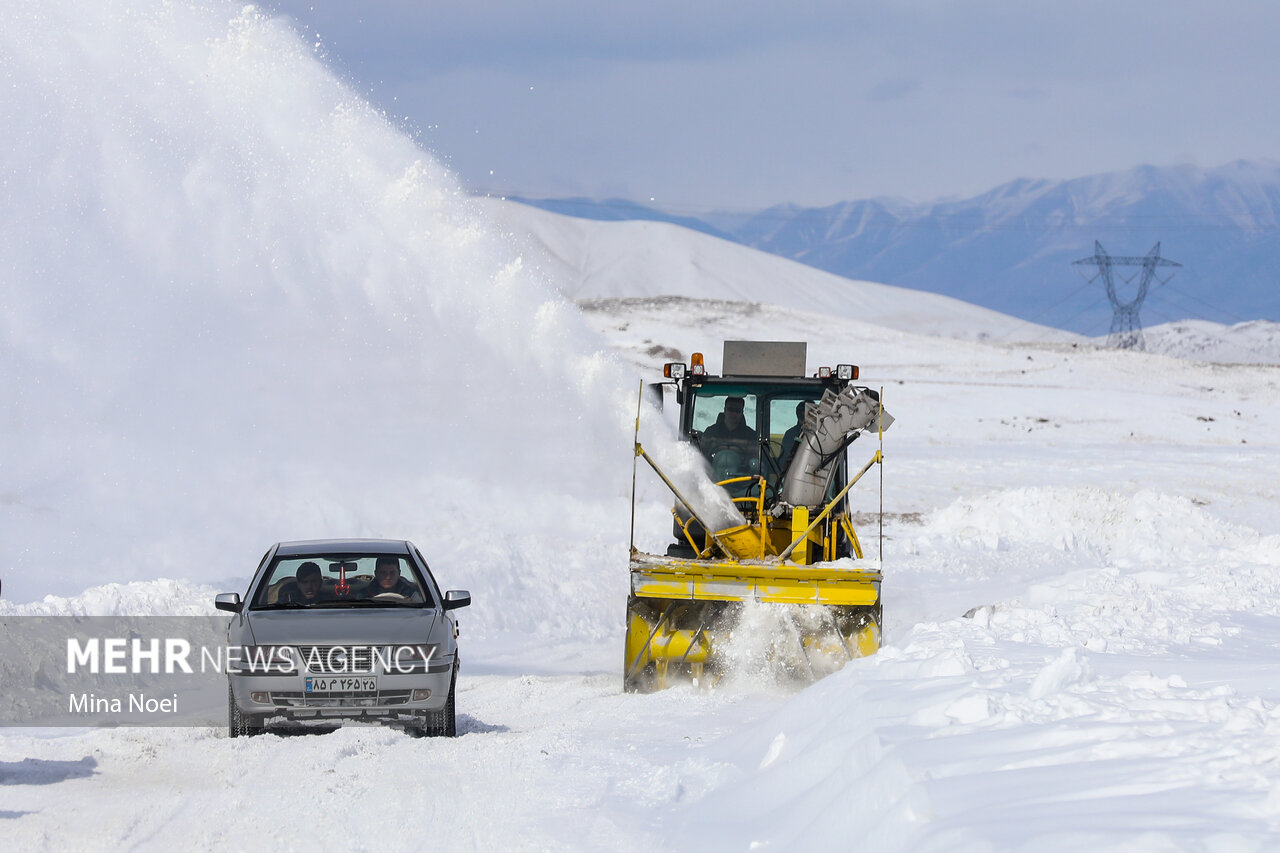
x: 332, y: 626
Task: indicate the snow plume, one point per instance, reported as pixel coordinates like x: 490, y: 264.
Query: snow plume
x: 765, y: 649
x: 241, y: 307
x: 689, y: 472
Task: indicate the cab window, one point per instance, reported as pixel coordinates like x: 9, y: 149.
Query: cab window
x: 708, y: 408
x: 727, y: 420
x: 786, y: 420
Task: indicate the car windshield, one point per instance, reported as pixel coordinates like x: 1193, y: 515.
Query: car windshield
x: 340, y: 580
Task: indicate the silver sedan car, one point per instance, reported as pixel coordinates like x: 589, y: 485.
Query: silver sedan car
x: 336, y: 630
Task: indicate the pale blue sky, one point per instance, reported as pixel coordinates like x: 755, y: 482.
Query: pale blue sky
x: 723, y: 104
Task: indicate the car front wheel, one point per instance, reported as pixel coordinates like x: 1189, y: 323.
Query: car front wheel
x: 444, y: 723
x: 240, y: 724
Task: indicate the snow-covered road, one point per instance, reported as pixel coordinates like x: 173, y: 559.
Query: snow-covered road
x: 1082, y: 603
x: 541, y: 762
x: 1111, y: 686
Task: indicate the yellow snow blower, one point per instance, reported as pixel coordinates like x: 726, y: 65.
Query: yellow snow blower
x: 777, y: 442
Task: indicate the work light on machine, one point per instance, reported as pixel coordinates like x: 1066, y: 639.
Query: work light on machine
x: 847, y: 372
x: 696, y: 366
x: 674, y: 370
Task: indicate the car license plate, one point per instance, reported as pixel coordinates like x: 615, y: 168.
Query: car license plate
x: 342, y: 684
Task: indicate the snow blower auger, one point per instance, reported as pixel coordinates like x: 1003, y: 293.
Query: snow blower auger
x: 777, y: 442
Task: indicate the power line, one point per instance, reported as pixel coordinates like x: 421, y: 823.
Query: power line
x: 1215, y: 308
x: 1060, y: 303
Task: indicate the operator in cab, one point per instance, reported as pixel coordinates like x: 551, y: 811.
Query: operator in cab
x: 729, y: 443
x: 731, y: 425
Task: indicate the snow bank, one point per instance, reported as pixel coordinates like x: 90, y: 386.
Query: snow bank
x: 1098, y: 686
x: 1122, y: 527
x: 140, y: 598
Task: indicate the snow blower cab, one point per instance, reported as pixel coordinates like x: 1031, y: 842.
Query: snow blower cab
x: 776, y: 440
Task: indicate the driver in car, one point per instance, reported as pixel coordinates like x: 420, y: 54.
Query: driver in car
x: 386, y: 578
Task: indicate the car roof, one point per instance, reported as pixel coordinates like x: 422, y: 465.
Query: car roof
x: 342, y: 546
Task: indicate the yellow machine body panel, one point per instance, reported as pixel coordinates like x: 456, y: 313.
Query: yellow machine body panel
x: 681, y: 616
x: 752, y: 581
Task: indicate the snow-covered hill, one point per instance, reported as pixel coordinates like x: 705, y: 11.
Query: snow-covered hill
x: 589, y: 259
x: 1255, y: 342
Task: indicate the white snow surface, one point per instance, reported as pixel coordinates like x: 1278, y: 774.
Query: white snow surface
x: 241, y: 308
x: 1252, y: 342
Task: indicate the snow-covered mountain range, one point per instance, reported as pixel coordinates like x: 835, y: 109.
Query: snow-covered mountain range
x: 1011, y: 249
x: 598, y: 260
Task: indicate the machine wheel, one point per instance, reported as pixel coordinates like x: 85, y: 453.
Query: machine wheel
x: 240, y: 724
x: 444, y: 723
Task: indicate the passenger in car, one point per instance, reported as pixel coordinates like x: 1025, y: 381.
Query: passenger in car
x: 307, y: 588
x: 386, y: 578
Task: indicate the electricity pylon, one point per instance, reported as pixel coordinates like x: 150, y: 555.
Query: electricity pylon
x: 1126, y: 329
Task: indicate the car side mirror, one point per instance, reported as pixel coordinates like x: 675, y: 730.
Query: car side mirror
x: 455, y: 598
x: 229, y: 601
